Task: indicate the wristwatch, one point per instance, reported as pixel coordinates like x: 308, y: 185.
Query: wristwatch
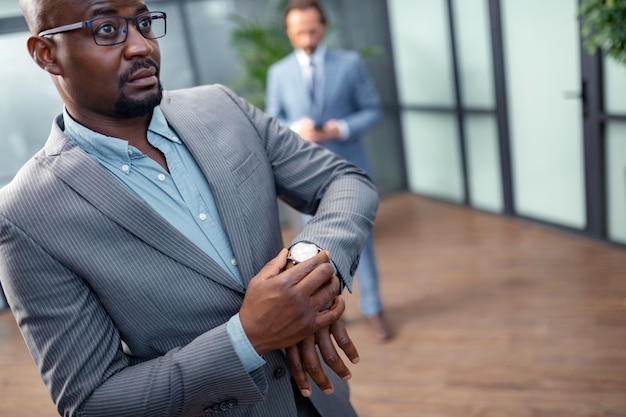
x: 302, y: 251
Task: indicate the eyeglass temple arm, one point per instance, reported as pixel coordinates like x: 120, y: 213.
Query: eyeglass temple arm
x: 65, y: 28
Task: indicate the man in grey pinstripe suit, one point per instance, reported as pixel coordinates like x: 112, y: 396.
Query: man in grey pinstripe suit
x: 141, y: 251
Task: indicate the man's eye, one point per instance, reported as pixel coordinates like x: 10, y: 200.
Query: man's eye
x: 107, y: 29
x: 145, y: 24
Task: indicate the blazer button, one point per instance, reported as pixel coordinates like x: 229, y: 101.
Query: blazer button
x: 228, y: 404
x: 213, y: 408
x: 279, y: 372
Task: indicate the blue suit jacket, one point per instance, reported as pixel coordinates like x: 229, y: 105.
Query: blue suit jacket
x: 348, y: 94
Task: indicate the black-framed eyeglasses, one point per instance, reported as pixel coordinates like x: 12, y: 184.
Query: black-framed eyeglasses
x: 113, y: 30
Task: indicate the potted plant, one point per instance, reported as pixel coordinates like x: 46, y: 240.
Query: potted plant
x: 259, y: 44
x: 603, y: 26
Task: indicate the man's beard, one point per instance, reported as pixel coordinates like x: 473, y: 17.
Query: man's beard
x: 129, y: 108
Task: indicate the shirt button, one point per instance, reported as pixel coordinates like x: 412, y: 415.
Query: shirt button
x: 161, y: 177
x: 202, y: 216
x: 233, y: 262
x: 125, y: 168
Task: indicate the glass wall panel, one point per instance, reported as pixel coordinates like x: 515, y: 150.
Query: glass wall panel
x: 542, y: 60
x: 211, y: 27
x: 616, y: 181
x: 28, y: 103
x: 433, y: 155
x: 176, y: 68
x: 10, y: 8
x: 483, y: 165
x: 471, y: 21
x: 614, y: 87
x: 421, y: 44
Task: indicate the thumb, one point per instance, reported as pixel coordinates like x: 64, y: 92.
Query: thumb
x: 274, y: 266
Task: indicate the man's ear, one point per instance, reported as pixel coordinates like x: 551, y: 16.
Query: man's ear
x: 42, y: 52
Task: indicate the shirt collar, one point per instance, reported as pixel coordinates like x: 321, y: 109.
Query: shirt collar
x: 108, y: 147
x: 317, y: 57
x: 159, y: 125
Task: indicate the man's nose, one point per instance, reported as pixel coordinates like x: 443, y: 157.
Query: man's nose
x: 136, y: 43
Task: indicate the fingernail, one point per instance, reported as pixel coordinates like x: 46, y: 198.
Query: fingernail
x: 306, y: 393
x: 328, y: 391
x: 356, y: 360
x: 347, y: 377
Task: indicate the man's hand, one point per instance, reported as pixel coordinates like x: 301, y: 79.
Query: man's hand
x: 281, y: 309
x: 304, y: 360
x: 328, y: 131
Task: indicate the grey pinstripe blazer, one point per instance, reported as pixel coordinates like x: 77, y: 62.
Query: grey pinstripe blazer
x: 126, y: 317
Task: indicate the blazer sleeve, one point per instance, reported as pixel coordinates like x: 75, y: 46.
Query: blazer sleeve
x: 365, y: 100
x: 314, y: 180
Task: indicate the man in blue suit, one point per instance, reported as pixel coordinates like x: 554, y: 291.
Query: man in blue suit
x: 327, y: 97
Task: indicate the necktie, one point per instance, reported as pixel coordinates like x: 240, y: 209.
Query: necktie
x: 312, y: 80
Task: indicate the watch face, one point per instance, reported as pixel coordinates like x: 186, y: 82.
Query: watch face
x: 300, y: 252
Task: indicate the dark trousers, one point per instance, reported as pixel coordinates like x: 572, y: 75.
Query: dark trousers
x: 304, y: 405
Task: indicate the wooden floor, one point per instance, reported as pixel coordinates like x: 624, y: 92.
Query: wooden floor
x: 494, y: 317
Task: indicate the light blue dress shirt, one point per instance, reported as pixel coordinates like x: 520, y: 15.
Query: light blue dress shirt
x: 317, y: 59
x: 182, y: 197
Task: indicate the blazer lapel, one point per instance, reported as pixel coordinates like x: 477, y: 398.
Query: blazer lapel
x: 295, y: 78
x: 206, y: 133
x: 85, y: 175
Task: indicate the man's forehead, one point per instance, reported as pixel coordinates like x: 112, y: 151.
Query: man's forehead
x: 94, y: 8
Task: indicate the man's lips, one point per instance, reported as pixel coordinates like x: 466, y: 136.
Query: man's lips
x: 145, y: 76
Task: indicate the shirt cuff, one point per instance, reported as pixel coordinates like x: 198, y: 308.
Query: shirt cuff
x: 344, y: 129
x: 250, y: 359
x: 295, y: 126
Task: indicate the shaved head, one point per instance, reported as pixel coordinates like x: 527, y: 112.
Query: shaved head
x: 95, y: 82
x: 42, y: 14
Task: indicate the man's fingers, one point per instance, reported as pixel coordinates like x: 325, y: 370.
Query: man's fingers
x: 311, y: 275
x: 297, y: 370
x: 340, y: 334
x: 274, y: 266
x: 312, y: 365
x: 328, y: 317
x: 330, y: 355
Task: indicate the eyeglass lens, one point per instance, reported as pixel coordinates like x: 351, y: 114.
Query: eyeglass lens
x: 112, y: 30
